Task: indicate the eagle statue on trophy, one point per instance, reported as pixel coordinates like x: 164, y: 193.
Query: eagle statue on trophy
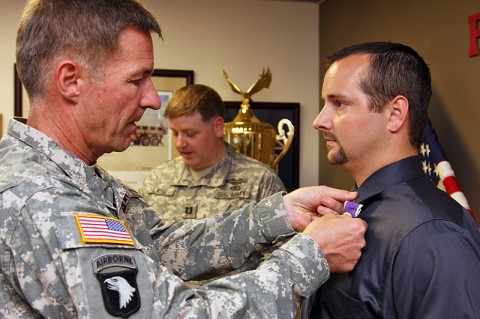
x: 248, y: 135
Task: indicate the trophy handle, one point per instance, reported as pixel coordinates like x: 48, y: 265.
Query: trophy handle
x: 283, y: 141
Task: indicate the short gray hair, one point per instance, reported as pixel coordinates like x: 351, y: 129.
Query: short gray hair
x: 85, y: 30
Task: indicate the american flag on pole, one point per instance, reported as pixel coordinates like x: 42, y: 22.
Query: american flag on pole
x: 96, y: 229
x: 437, y: 167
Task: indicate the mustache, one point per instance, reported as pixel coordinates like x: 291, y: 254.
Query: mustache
x: 329, y: 136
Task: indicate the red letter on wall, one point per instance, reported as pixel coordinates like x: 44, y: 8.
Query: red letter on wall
x: 474, y: 34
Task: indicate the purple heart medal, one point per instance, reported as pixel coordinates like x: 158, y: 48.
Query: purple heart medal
x: 352, y: 208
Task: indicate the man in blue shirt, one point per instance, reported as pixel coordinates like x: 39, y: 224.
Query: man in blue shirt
x: 422, y: 257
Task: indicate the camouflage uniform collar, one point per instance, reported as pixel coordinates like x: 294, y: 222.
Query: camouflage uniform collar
x: 119, y: 191
x: 71, y: 165
x: 216, y: 178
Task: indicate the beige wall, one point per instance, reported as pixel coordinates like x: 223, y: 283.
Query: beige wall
x: 207, y: 36
x: 9, y: 16
x: 439, y: 31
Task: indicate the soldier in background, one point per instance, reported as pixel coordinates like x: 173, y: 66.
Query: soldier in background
x: 76, y: 243
x: 209, y: 177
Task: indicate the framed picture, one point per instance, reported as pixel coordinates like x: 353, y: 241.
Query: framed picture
x: 272, y: 113
x: 152, y: 142
x: 22, y: 104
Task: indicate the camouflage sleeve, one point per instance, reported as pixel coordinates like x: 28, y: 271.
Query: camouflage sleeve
x: 273, y: 290
x: 269, y: 185
x: 48, y: 270
x: 198, y: 249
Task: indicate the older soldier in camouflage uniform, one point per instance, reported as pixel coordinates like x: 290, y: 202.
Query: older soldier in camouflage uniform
x: 75, y: 243
x: 209, y: 177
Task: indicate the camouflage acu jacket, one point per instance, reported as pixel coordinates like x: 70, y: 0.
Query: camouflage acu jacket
x: 76, y: 244
x: 234, y: 182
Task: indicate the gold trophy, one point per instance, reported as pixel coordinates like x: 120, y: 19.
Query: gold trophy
x: 251, y: 137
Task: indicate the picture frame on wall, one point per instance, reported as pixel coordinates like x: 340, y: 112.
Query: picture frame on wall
x: 272, y: 113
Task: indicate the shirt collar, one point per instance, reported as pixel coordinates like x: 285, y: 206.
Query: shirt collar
x: 401, y: 171
x: 90, y: 180
x: 215, y: 178
x: 71, y: 165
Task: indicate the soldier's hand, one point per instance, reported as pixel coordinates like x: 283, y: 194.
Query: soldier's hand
x: 305, y: 204
x: 341, y: 239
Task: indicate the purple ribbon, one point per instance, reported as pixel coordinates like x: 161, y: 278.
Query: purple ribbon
x: 352, y: 208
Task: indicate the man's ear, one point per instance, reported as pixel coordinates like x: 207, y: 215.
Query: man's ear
x: 398, y: 113
x: 219, y: 124
x: 68, y: 77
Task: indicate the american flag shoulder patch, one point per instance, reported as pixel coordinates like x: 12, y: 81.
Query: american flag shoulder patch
x: 96, y: 229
